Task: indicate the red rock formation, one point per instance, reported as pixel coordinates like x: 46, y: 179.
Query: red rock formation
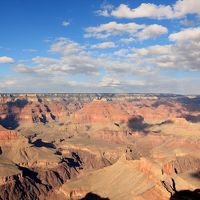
x: 100, y: 111
x: 7, y: 134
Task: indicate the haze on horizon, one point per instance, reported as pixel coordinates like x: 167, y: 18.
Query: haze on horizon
x: 147, y: 46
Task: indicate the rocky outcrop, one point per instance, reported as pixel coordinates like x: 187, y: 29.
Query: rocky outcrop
x: 99, y: 111
x: 182, y: 164
x: 38, y: 182
x: 7, y: 134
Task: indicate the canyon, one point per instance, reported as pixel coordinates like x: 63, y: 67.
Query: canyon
x: 99, y: 146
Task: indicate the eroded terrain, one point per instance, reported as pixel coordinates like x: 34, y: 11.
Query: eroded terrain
x: 103, y: 146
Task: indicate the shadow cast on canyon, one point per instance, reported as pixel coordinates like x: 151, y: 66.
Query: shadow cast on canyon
x: 186, y: 195
x: 76, y: 157
x: 137, y: 124
x: 164, y: 103
x: 20, y: 103
x: 30, y: 174
x: 43, y: 119
x: 92, y: 196
x: 191, y: 104
x: 196, y: 175
x: 192, y: 118
x: 40, y: 143
x: 11, y: 120
x: 72, y: 163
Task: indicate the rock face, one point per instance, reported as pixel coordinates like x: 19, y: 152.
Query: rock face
x: 7, y: 134
x: 100, y: 112
x: 103, y: 146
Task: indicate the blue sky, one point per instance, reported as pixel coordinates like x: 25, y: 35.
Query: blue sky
x: 100, y: 46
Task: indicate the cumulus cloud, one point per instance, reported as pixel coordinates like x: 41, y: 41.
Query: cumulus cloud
x: 174, y: 56
x: 109, y: 81
x: 123, y: 65
x: 183, y: 7
x: 76, y: 59
x: 33, y: 71
x: 140, y: 31
x: 44, y: 60
x: 190, y: 34
x: 127, y: 40
x: 153, y: 50
x: 72, y: 65
x: 152, y: 31
x: 122, y: 52
x: 112, y: 81
x: 104, y: 45
x: 112, y: 28
x: 65, y: 46
x: 6, y: 59
x: 144, y: 10
x: 73, y: 60
x: 178, y: 10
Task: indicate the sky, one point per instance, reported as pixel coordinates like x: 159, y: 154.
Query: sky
x: 135, y: 46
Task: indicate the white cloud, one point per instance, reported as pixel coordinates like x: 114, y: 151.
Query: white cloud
x: 152, y: 31
x: 140, y: 31
x: 10, y: 82
x: 127, y: 40
x: 112, y: 28
x: 22, y: 68
x: 184, y: 7
x: 153, y: 50
x: 65, y: 46
x: 121, y: 52
x: 163, y: 84
x: 65, y: 23
x: 171, y: 56
x: 113, y: 81
x: 125, y: 66
x: 44, y: 60
x: 178, y: 10
x: 40, y: 71
x: 70, y: 65
x: 144, y: 10
x: 73, y: 60
x: 190, y: 34
x: 104, y: 45
x: 5, y: 60
x: 184, y: 54
x: 109, y: 81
